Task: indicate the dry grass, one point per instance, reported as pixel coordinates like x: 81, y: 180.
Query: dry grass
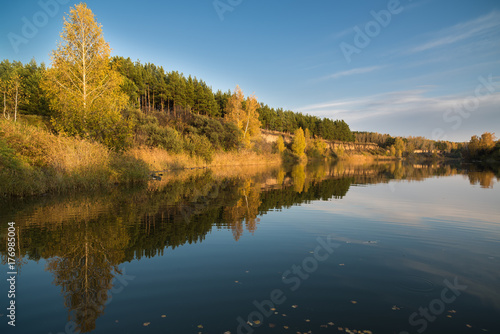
x: 160, y: 160
x: 36, y: 161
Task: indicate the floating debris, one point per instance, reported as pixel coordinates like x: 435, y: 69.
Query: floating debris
x: 341, y: 264
x: 307, y: 320
x: 163, y: 316
x: 468, y: 326
x: 323, y: 326
x: 257, y: 322
x: 452, y: 311
x: 273, y: 309
x: 331, y: 323
x: 353, y: 302
x: 294, y: 306
x: 227, y: 332
x: 272, y: 325
x: 284, y: 314
x: 116, y: 321
x: 396, y: 308
x: 285, y: 327
x: 200, y: 326
x: 449, y: 316
x: 146, y: 324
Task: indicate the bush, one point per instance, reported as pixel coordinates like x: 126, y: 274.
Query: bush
x: 166, y: 138
x: 197, y: 145
x: 222, y: 135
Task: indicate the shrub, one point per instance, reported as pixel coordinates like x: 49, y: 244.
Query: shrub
x: 197, y: 145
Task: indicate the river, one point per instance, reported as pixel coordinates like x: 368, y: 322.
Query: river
x: 325, y: 248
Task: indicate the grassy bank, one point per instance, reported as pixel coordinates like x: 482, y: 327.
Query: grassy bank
x: 35, y: 161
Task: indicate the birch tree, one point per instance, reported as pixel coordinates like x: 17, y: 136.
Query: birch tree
x: 83, y: 90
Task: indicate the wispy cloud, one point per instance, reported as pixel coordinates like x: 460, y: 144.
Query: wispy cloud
x: 354, y: 71
x: 410, y: 112
x: 473, y: 28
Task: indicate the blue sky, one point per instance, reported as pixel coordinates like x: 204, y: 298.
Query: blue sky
x: 424, y: 68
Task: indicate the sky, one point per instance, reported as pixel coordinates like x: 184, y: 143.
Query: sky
x: 408, y: 68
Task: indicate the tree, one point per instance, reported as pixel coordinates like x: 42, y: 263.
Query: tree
x: 4, y: 91
x: 15, y: 91
x: 299, y: 142
x: 244, y: 115
x: 82, y: 88
x: 280, y: 144
x: 251, y: 123
x: 399, y: 145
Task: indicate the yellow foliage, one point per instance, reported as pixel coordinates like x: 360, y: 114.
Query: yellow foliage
x: 244, y: 115
x: 82, y: 88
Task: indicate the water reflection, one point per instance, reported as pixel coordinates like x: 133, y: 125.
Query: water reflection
x: 85, y: 237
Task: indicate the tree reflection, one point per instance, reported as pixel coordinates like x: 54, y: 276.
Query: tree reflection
x: 85, y: 238
x: 89, y: 253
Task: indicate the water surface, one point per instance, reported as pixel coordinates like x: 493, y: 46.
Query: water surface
x: 386, y: 248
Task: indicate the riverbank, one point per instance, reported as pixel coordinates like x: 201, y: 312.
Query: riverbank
x: 34, y: 161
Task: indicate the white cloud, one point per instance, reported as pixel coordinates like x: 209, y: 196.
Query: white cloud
x: 354, y: 71
x: 413, y: 112
x: 476, y: 28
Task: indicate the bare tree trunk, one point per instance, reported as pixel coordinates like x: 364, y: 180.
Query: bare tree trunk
x: 4, y: 104
x: 15, y: 106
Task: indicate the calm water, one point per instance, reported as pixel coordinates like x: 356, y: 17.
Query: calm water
x: 327, y: 249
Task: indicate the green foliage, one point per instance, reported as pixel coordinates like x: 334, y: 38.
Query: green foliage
x: 164, y: 137
x: 289, y: 121
x: 200, y: 146
x: 222, y: 135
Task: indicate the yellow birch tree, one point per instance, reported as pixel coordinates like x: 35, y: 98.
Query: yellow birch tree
x: 244, y: 115
x: 83, y: 90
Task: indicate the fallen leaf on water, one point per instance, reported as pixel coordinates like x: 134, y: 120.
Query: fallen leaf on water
x: 468, y: 326
x: 285, y: 327
x: 272, y: 325
x: 163, y: 316
x: 228, y: 332
x: 307, y: 320
x: 354, y: 302
x: 323, y: 326
x: 331, y: 323
x: 146, y: 324
x: 273, y: 309
x: 284, y: 314
x: 200, y: 326
x: 294, y: 306
x: 257, y: 322
x: 341, y: 264
x: 449, y: 316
